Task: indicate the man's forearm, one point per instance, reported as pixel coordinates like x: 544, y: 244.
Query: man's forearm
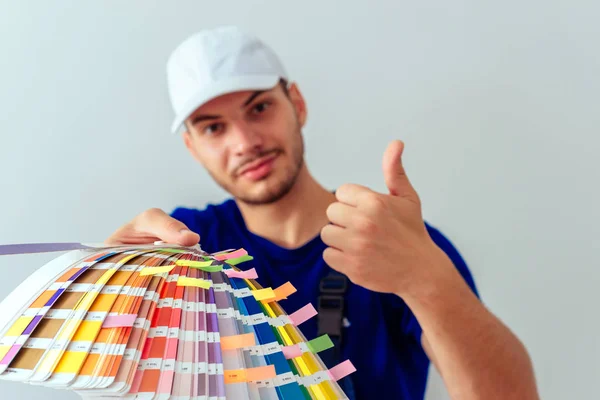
x: 477, y: 356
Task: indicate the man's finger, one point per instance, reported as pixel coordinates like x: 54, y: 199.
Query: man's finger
x: 335, y: 258
x: 351, y: 193
x: 334, y: 236
x: 156, y: 222
x: 394, y: 174
x: 340, y: 214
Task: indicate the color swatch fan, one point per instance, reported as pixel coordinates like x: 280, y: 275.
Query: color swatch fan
x: 159, y: 322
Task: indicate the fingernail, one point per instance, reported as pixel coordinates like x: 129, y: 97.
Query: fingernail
x: 185, y: 231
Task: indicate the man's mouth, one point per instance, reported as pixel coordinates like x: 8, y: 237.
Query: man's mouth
x: 260, y: 167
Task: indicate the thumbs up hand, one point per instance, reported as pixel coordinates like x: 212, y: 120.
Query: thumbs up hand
x: 380, y: 240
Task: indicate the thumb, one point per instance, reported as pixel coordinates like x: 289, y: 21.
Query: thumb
x: 393, y: 172
x: 168, y: 229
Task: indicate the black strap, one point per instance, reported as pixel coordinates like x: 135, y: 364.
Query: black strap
x: 331, y: 311
x: 331, y: 303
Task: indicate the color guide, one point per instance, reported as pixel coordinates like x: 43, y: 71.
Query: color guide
x: 160, y: 322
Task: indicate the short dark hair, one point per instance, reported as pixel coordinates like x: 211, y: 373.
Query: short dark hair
x: 284, y: 86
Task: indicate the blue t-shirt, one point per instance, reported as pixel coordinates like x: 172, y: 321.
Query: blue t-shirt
x: 383, y: 339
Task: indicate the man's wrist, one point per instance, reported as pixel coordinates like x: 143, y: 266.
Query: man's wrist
x: 436, y: 279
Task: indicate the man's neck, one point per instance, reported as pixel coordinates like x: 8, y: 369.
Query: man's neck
x: 294, y: 219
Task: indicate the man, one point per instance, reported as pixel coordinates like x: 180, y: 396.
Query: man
x: 411, y: 298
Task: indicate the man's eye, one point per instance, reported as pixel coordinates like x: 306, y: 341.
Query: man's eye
x: 260, y: 107
x: 213, y: 128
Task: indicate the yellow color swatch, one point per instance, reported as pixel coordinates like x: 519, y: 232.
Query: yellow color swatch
x: 87, y: 331
x: 19, y: 326
x: 263, y: 294
x: 3, y: 351
x: 71, y: 362
x: 201, y: 283
x: 190, y: 263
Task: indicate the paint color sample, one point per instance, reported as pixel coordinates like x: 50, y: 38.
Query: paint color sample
x: 160, y: 322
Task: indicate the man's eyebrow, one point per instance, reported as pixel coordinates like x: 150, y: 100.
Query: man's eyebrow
x: 201, y: 118
x: 253, y: 96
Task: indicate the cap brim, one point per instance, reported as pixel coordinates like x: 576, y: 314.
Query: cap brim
x: 207, y: 93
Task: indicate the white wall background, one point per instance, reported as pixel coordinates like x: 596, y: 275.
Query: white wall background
x: 498, y: 104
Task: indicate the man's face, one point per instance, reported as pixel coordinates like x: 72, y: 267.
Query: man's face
x: 250, y: 142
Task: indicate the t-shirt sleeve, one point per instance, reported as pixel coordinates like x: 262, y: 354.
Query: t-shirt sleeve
x: 444, y: 243
x: 409, y: 324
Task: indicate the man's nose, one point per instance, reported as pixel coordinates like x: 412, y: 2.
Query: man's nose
x: 246, y: 138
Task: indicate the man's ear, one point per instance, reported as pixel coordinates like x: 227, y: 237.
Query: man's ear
x: 298, y: 102
x: 189, y: 143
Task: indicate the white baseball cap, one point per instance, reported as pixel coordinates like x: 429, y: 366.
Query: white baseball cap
x: 218, y: 61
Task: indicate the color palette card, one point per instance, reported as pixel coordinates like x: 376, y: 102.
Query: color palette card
x: 159, y: 322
